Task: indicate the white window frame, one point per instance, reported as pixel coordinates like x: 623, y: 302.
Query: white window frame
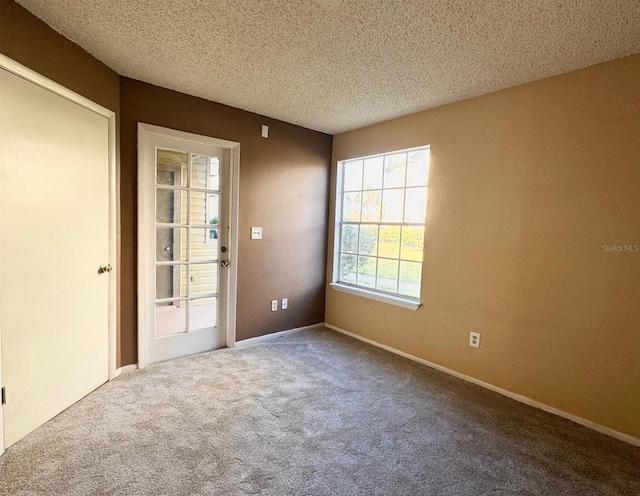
x: 370, y: 293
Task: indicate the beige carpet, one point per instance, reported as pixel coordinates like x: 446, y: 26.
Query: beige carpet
x: 311, y: 413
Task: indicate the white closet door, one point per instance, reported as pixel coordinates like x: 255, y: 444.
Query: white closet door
x: 54, y: 236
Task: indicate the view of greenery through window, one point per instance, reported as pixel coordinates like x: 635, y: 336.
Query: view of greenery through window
x: 382, y: 224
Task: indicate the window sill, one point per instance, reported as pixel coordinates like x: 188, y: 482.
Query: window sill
x: 384, y: 298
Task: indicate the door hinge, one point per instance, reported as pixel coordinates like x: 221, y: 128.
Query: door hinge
x: 4, y: 396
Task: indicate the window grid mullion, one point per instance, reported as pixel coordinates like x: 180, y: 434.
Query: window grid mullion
x: 360, y: 228
x: 391, y: 293
x: 404, y: 192
x: 354, y: 223
x: 360, y: 223
x: 341, y: 223
x: 170, y: 226
x: 404, y: 212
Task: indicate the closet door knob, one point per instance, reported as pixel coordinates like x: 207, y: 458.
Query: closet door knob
x: 104, y: 268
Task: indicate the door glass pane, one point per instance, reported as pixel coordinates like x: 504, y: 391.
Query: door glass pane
x: 171, y: 318
x: 205, y: 172
x: 213, y: 209
x: 171, y: 206
x: 204, y: 244
x: 171, y: 281
x: 387, y: 275
x: 171, y: 244
x: 171, y: 167
x: 214, y: 173
x: 204, y: 279
x: 204, y: 208
x: 198, y: 207
x: 203, y: 313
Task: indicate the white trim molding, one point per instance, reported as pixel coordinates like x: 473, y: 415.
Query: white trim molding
x: 522, y: 399
x: 50, y: 85
x: 150, y: 135
x: 125, y: 369
x: 392, y: 298
x: 398, y: 301
x: 266, y: 337
x: 27, y: 74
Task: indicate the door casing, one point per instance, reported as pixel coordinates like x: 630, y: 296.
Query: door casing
x: 27, y: 74
x: 147, y: 249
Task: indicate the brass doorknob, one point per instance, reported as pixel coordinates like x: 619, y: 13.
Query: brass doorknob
x: 104, y: 268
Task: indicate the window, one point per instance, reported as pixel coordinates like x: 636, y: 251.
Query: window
x: 380, y: 218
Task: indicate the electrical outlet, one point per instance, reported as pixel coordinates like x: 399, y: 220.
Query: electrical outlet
x: 474, y: 339
x: 256, y: 233
x: 285, y: 303
x: 274, y: 305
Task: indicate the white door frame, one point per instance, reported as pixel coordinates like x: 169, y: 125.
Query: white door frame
x: 27, y: 74
x: 145, y: 132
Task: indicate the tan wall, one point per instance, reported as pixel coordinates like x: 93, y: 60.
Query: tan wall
x: 284, y: 187
x: 526, y: 186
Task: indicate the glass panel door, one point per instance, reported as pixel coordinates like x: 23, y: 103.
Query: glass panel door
x: 187, y: 239
x: 184, y: 250
x: 186, y: 222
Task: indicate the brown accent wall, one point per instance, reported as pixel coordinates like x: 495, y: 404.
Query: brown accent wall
x: 26, y: 39
x: 284, y: 187
x: 283, y: 183
x: 526, y: 186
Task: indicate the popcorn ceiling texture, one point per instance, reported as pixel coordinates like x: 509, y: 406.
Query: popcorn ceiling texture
x: 334, y: 65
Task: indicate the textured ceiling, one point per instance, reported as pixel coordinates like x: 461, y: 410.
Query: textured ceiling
x: 336, y: 65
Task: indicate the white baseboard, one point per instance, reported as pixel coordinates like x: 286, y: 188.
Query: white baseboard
x: 125, y: 369
x: 256, y: 340
x: 522, y: 399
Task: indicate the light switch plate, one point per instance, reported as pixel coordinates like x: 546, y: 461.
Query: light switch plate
x: 256, y: 233
x: 265, y: 131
